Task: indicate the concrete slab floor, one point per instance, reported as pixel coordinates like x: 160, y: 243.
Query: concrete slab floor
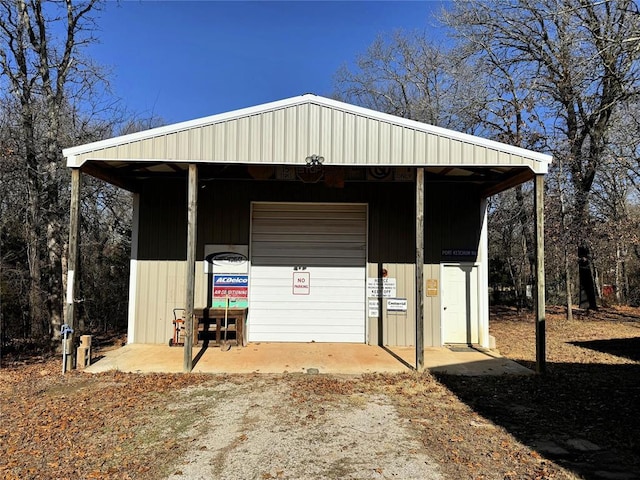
x: 324, y: 358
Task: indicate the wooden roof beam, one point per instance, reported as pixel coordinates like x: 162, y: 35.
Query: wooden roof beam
x: 521, y: 176
x: 106, y: 175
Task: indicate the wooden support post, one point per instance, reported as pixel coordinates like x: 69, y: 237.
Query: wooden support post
x: 192, y: 235
x: 72, y: 265
x: 419, y: 269
x: 541, y: 362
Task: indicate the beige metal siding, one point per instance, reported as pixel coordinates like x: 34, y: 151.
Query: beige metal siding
x: 398, y: 329
x: 432, y: 311
x: 288, y: 135
x: 161, y: 286
x: 158, y: 284
x: 400, y: 326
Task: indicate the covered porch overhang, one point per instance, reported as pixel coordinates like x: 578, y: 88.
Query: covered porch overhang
x: 130, y: 175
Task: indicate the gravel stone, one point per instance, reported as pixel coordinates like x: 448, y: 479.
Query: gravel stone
x: 263, y: 434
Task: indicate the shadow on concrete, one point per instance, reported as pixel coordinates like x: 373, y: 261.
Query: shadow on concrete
x: 398, y: 358
x: 472, y: 366
x: 203, y: 349
x: 621, y: 347
x: 585, y: 417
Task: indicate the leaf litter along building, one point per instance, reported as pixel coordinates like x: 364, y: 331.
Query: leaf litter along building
x: 357, y: 226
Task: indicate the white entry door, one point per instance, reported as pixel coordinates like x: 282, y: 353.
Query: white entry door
x: 460, y: 304
x: 308, y: 276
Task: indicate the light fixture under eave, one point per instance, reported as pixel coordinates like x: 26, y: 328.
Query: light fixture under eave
x: 314, y: 160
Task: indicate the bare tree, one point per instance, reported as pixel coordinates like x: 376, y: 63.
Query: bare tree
x: 581, y: 56
x: 624, y: 143
x: 615, y: 198
x: 508, y: 248
x: 43, y: 71
x: 614, y: 227
x: 406, y: 75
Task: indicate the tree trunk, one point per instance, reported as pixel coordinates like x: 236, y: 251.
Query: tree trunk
x: 618, y: 280
x: 54, y: 243
x: 625, y: 279
x: 36, y: 310
x: 587, y: 287
x: 563, y: 227
x: 567, y: 279
x: 32, y: 224
x: 528, y: 241
x: 54, y: 295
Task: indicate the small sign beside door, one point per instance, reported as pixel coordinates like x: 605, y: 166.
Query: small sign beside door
x: 374, y: 310
x: 432, y: 287
x: 396, y: 304
x: 301, y: 283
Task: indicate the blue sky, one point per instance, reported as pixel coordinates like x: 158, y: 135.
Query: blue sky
x: 182, y: 60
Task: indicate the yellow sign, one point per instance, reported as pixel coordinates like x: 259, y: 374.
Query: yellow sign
x: 432, y: 287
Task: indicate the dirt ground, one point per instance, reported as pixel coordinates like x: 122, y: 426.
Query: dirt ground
x: 580, y: 420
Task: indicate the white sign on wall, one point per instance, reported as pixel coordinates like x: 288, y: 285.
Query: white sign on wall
x: 301, y: 283
x: 386, y: 289
x: 374, y: 310
x: 396, y: 304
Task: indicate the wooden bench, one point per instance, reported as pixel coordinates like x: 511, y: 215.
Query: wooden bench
x: 205, y: 318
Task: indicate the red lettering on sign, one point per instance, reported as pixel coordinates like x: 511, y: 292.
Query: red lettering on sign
x: 301, y: 283
x: 230, y: 292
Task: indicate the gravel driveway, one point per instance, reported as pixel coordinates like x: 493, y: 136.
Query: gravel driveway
x: 266, y: 429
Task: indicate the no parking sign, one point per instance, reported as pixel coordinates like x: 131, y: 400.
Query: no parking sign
x: 301, y: 283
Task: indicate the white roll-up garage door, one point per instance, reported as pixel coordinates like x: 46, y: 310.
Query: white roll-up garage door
x: 307, y: 280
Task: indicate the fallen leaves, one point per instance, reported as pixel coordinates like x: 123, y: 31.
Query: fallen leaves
x: 98, y: 427
x: 76, y: 426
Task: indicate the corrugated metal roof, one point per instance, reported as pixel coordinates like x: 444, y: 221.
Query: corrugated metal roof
x: 287, y: 131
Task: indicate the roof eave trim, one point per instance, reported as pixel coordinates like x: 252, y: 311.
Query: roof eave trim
x: 72, y: 161
x: 542, y: 168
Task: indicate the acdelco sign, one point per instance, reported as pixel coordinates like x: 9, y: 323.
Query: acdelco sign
x: 231, y: 280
